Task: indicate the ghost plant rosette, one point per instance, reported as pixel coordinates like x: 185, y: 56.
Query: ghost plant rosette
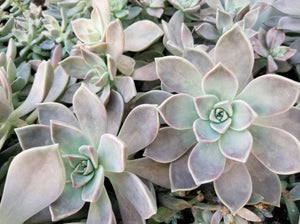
x: 86, y: 150
x: 215, y: 133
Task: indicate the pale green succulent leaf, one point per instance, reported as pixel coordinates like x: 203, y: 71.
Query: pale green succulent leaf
x: 11, y: 70
x: 130, y: 187
x: 4, y: 105
x: 101, y: 14
x: 115, y: 40
x: 251, y: 17
x: 222, y: 126
x: 156, y: 172
x: 125, y: 85
x: 204, y: 105
x: 91, y: 114
x: 170, y: 144
x: 101, y: 210
x: 39, y: 89
x: 204, y: 132
x: 243, y: 115
x: 235, y: 52
x: 68, y: 137
x: 265, y: 182
x: 79, y: 180
x: 179, y: 111
x: 186, y: 37
x: 200, y: 59
x: 85, y: 31
x: 75, y: 66
x: 288, y: 121
x: 179, y: 75
x: 234, y: 186
x: 206, y: 163
x: 126, y: 66
x: 68, y: 203
x: 236, y: 145
x: 180, y: 175
x: 56, y: 112
x: 260, y: 95
x: 285, y: 154
x: 149, y: 32
x: 90, y: 153
x: 248, y: 215
x: 211, y: 83
x: 142, y: 119
x: 112, y: 153
x: 34, y: 136
x: 94, y: 188
x: 36, y: 177
x: 88, y: 61
x: 224, y: 21
x: 74, y: 159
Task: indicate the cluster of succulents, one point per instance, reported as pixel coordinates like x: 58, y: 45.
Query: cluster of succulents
x: 149, y: 111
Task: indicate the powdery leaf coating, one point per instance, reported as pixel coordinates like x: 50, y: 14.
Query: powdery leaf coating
x: 204, y: 132
x: 103, y: 204
x: 93, y: 189
x: 206, y: 163
x: 285, y: 154
x: 265, y: 182
x: 248, y: 215
x: 234, y: 186
x: 37, y: 189
x: 140, y: 128
x: 115, y: 109
x: 170, y: 144
x: 235, y: 52
x: 204, y: 105
x: 115, y: 39
x: 220, y: 82
x: 85, y: 31
x: 186, y: 79
x: 179, y: 111
x: 75, y: 66
x: 180, y: 174
x: 149, y: 32
x: 95, y: 124
x: 126, y: 87
x: 112, y: 153
x: 262, y: 98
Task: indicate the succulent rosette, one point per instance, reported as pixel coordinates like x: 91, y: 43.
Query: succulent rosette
x: 91, y: 148
x: 218, y: 123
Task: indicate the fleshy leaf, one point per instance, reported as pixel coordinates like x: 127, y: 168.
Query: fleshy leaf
x: 179, y: 111
x: 170, y: 144
x: 36, y: 177
x: 93, y: 189
x: 112, y: 153
x: 115, y: 109
x: 142, y: 119
x: 69, y: 138
x: 179, y: 75
x: 248, y: 215
x: 91, y: 115
x: 204, y: 105
x: 106, y: 214
x: 220, y: 82
x: 75, y: 66
x: 243, y: 116
x: 115, y: 39
x: 148, y: 33
x: 277, y: 149
x: 34, y: 136
x: 206, y: 163
x: 235, y: 52
x: 68, y: 203
x: 56, y: 112
x: 79, y: 180
x: 129, y: 186
x: 126, y: 87
x: 264, y: 182
x: 204, y: 132
x: 85, y: 31
x: 180, y: 174
x: 270, y: 102
x: 236, y: 145
x: 221, y: 127
x: 157, y: 173
x: 234, y: 186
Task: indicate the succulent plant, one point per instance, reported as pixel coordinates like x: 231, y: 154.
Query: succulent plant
x: 269, y: 46
x: 226, y: 15
x: 216, y: 133
x: 186, y: 6
x: 153, y: 8
x: 90, y: 151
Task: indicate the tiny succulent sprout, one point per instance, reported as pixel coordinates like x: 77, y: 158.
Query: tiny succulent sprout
x: 215, y: 133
